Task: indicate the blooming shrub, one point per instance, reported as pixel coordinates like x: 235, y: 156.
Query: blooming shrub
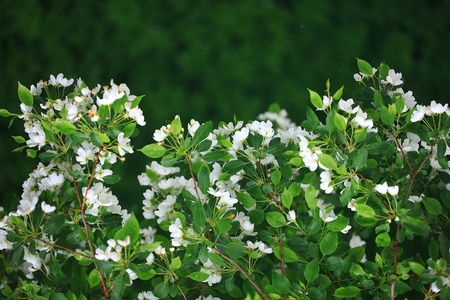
x: 354, y: 206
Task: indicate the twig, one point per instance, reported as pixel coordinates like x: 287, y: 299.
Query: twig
x: 61, y: 247
x: 395, y: 251
x: 260, y: 291
x: 192, y: 175
x: 86, y: 226
x: 403, y: 154
x: 420, y: 167
x: 176, y: 283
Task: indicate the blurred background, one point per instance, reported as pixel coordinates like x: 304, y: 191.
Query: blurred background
x: 211, y: 60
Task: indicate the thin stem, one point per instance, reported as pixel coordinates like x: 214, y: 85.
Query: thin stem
x: 403, y: 154
x: 192, y: 175
x: 420, y: 167
x: 86, y: 226
x: 176, y: 283
x: 395, y: 251
x: 61, y: 247
x: 260, y: 291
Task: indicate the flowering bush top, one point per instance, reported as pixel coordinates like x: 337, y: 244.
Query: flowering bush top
x: 355, y: 205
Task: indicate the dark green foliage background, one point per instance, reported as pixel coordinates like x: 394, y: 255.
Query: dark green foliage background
x: 211, y: 60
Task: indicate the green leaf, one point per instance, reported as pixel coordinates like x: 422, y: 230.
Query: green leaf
x: 360, y: 134
x: 136, y: 101
x: 338, y: 224
x: 338, y: 94
x: 199, y: 214
x: 289, y: 256
x: 235, y: 249
x: 204, y: 145
x: 119, y: 286
x: 175, y: 126
x: 312, y: 270
x: 31, y: 153
x: 130, y: 228
x: 358, y: 158
x: 111, y: 179
x: 224, y: 225
x: 201, y: 133
x: 415, y: 225
x: 339, y: 122
x: 386, y: 116
x: 383, y: 240
x: 4, y: 113
x: 281, y: 283
x: 127, y: 130
x: 25, y: 95
x: 310, y: 196
x: 364, y: 67
x: 95, y: 139
x: 275, y: 219
x: 198, y: 276
x: 203, y: 178
x: 65, y: 127
x: 19, y: 139
x: 233, y: 167
x: 246, y: 200
x: 143, y: 271
x: 329, y: 243
x: 286, y: 198
x: 365, y: 211
x: 93, y: 278
x: 346, y: 292
x: 153, y: 150
x: 176, y: 263
x: 79, y: 281
x: 275, y: 177
x: 433, y: 206
x: 216, y: 259
x: 55, y: 224
x: 316, y: 100
x: 327, y: 161
x: 378, y: 99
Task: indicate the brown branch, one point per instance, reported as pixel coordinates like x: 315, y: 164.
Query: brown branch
x: 420, y: 167
x: 61, y: 247
x: 396, y: 247
x: 192, y: 175
x: 260, y: 291
x: 176, y: 283
x: 403, y: 153
x: 86, y: 226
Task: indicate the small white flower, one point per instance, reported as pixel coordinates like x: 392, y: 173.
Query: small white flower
x: 123, y: 144
x: 109, y: 96
x: 393, y: 78
x: 346, y: 229
x: 125, y: 242
x: 356, y: 241
x: 416, y: 199
x: 47, y: 208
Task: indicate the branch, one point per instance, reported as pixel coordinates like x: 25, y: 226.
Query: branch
x: 420, y: 167
x: 403, y: 154
x: 260, y: 291
x: 86, y: 226
x: 61, y: 247
x: 396, y: 246
x: 176, y: 283
x: 192, y: 175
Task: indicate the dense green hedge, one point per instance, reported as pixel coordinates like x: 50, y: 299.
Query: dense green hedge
x: 213, y: 59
